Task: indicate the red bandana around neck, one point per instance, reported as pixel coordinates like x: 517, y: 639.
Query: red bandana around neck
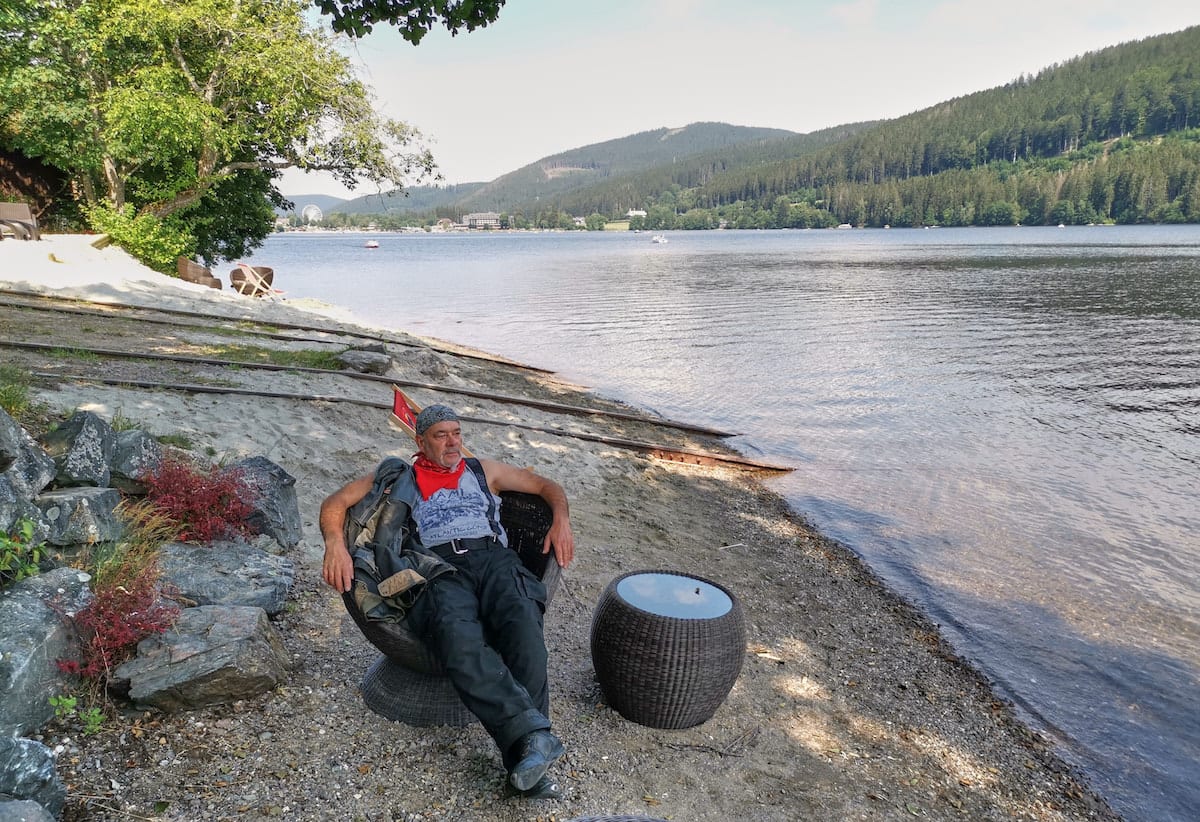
x: 432, y: 477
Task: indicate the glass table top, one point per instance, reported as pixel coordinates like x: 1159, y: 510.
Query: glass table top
x: 673, y: 595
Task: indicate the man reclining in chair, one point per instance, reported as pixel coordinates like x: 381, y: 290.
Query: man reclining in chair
x: 485, y: 620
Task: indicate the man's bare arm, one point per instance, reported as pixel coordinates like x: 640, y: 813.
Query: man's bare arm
x: 504, y: 477
x: 337, y: 567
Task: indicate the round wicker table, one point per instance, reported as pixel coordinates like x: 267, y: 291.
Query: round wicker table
x: 667, y: 647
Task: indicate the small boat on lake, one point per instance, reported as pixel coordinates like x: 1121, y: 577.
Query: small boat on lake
x: 658, y: 238
x: 371, y: 244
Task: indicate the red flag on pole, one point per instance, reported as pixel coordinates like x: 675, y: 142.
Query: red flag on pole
x: 404, y: 415
x: 403, y: 410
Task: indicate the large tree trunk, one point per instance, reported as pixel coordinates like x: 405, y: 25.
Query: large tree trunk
x: 115, y: 182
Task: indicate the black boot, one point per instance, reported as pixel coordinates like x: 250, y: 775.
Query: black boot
x: 534, y: 752
x: 546, y: 788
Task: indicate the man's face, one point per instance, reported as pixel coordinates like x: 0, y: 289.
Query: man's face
x: 442, y: 443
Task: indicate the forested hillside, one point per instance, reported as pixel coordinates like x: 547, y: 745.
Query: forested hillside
x: 414, y: 198
x: 559, y: 175
x: 615, y: 195
x: 1110, y: 136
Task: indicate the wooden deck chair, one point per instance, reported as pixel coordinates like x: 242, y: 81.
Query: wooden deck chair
x: 19, y: 219
x: 254, y: 281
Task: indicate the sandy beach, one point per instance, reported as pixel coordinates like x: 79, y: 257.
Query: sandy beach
x: 849, y: 704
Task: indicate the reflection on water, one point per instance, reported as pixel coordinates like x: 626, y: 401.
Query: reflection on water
x: 1003, y: 423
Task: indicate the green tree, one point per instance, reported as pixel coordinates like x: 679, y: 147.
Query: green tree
x: 660, y: 218
x: 697, y: 219
x: 782, y: 210
x: 412, y: 18
x: 165, y: 114
x: 1000, y: 213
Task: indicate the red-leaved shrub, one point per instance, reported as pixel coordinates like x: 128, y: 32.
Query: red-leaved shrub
x: 207, y: 503
x: 127, y: 603
x: 114, y: 622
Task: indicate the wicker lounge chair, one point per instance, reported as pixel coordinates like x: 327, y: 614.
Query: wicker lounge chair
x: 407, y: 683
x: 193, y: 272
x: 19, y: 219
x: 526, y: 519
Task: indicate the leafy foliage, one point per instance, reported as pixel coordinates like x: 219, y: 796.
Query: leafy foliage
x: 19, y: 555
x: 204, y: 503
x: 63, y: 705
x: 186, y: 112
x: 153, y: 241
x: 412, y: 18
x: 66, y: 708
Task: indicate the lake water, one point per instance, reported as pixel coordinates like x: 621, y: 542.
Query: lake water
x: 1004, y: 423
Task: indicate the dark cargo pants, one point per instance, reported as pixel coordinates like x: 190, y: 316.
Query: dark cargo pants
x: 485, y: 624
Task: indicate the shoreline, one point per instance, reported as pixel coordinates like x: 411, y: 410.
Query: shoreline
x: 853, y: 703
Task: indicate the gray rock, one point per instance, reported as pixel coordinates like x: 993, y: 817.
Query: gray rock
x: 34, y: 633
x: 227, y: 573
x: 427, y: 363
x: 135, y: 454
x: 14, y: 506
x: 23, y: 810
x: 215, y: 654
x: 10, y: 440
x: 82, y: 448
x: 27, y: 772
x: 366, y: 362
x: 32, y: 470
x: 276, y: 510
x: 81, y: 516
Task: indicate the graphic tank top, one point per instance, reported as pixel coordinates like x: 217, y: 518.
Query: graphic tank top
x: 457, y: 513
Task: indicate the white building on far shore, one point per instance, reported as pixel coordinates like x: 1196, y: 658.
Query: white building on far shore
x: 482, y: 219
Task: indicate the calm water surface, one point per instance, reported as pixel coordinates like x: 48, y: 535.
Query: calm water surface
x: 1005, y: 424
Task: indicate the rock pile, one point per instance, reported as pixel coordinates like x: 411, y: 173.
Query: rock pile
x: 223, y: 646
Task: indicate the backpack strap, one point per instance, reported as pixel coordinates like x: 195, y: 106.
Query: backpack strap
x: 477, y: 468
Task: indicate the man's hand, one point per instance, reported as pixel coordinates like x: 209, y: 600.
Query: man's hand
x: 338, y: 568
x: 504, y: 477
x: 563, y: 541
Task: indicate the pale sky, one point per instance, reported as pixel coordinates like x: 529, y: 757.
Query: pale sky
x: 553, y: 75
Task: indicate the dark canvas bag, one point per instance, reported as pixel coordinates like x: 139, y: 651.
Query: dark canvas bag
x: 390, y: 569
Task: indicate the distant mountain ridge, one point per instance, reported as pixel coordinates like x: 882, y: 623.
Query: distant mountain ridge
x: 560, y: 173
x: 1109, y: 136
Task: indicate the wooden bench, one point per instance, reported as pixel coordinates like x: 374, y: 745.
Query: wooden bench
x: 19, y: 219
